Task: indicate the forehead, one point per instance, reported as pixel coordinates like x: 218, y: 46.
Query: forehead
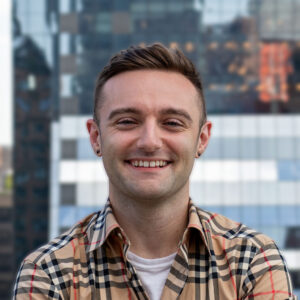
x: 149, y: 89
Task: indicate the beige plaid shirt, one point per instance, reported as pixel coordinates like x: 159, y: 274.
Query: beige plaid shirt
x: 217, y: 259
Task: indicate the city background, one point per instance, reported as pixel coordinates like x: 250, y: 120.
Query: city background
x: 248, y: 54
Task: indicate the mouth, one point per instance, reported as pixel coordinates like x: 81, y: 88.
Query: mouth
x: 138, y: 163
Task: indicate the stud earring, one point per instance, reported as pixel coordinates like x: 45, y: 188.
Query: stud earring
x: 198, y: 154
x: 98, y: 152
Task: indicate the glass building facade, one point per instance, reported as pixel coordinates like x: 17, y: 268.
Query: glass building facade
x: 34, y: 95
x: 248, y: 53
x: 6, y: 224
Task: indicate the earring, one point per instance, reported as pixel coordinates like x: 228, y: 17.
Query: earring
x: 98, y: 152
x: 198, y: 154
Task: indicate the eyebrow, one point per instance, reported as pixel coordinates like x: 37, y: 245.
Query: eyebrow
x: 166, y: 111
x: 127, y: 110
x: 176, y: 111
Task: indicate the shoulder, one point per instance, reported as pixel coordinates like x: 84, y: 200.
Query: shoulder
x: 49, y: 269
x: 252, y: 259
x: 62, y: 247
x: 225, y: 231
x: 224, y: 228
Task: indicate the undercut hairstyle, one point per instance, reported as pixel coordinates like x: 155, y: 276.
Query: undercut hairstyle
x: 152, y: 57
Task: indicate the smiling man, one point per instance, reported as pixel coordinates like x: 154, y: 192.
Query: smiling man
x: 150, y: 241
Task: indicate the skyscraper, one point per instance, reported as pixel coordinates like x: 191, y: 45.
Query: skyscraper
x: 33, y: 106
x: 6, y: 223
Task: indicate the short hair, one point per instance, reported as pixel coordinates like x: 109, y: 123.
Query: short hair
x: 151, y: 57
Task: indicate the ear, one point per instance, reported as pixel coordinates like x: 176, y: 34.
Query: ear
x: 204, y: 137
x: 94, y: 133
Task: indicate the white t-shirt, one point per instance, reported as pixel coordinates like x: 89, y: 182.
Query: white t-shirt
x: 153, y: 273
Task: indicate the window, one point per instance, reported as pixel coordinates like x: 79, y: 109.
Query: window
x: 68, y: 194
x: 295, y: 276
x: 64, y: 6
x: 65, y: 43
x: 69, y: 149
x: 289, y: 170
x: 85, y: 150
x: 5, y: 215
x: 293, y: 238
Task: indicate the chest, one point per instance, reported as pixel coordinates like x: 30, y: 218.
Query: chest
x: 107, y: 275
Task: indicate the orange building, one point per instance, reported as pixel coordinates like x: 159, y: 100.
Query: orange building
x: 275, y: 67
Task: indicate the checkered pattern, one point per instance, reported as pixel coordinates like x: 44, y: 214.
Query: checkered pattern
x: 217, y: 259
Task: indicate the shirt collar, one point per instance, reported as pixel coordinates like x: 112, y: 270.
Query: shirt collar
x: 104, y: 223
x: 199, y: 220
x: 101, y: 227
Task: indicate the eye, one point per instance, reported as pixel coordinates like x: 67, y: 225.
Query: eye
x: 173, y: 123
x: 126, y: 123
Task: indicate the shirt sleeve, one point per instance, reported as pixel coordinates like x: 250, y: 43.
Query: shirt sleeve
x: 267, y: 277
x: 34, y: 283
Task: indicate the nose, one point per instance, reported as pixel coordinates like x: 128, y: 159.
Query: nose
x: 149, y: 139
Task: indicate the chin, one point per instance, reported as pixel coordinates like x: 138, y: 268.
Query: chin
x: 147, y: 195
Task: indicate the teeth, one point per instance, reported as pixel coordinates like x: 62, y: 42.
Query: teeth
x: 152, y: 164
x: 149, y: 164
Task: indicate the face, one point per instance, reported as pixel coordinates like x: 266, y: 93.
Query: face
x: 149, y: 134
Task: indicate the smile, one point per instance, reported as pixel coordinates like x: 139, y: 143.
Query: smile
x: 148, y: 163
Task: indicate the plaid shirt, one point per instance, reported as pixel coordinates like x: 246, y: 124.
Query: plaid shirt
x: 217, y: 259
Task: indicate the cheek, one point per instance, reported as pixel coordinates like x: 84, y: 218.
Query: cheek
x: 116, y: 145
x: 185, y: 144
x: 183, y: 148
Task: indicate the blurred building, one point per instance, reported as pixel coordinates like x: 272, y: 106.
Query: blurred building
x: 34, y: 91
x: 6, y: 223
x: 251, y: 72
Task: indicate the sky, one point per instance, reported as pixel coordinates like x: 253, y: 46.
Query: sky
x: 6, y: 74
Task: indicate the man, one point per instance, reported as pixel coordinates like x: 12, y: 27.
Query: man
x: 150, y: 241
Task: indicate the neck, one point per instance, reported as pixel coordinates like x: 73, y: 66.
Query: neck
x: 153, y: 228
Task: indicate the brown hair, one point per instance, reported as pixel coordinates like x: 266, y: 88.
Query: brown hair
x: 152, y: 57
